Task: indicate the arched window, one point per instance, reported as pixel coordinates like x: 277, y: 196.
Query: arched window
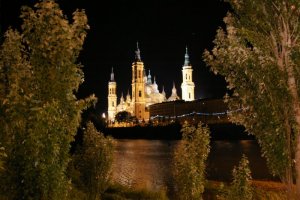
x: 113, y: 104
x: 186, y: 76
x: 189, y: 95
x: 140, y: 93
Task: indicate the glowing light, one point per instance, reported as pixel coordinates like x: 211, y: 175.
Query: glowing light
x: 103, y: 115
x: 200, y: 114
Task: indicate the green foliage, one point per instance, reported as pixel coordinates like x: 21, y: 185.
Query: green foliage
x: 261, y: 191
x: 257, y: 55
x: 241, y: 187
x: 123, y: 116
x: 39, y: 113
x: 93, y: 163
x: 189, y: 161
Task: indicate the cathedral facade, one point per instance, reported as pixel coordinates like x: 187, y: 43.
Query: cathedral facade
x: 145, y: 92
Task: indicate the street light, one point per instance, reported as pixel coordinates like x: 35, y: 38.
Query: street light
x: 104, y: 119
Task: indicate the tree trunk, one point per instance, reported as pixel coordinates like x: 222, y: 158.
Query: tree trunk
x: 288, y: 179
x: 297, y: 151
x: 297, y: 158
x: 286, y: 43
x: 296, y: 111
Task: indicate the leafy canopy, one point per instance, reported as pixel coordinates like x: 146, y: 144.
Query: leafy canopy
x: 39, y: 113
x: 255, y: 52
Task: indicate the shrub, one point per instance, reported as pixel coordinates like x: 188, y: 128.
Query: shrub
x: 241, y: 187
x: 189, y: 161
x: 91, y: 170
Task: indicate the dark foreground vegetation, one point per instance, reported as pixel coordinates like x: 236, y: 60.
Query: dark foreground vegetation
x: 120, y: 192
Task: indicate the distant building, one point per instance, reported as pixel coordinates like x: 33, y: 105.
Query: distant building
x: 112, y: 97
x: 205, y: 110
x: 145, y: 92
x: 187, y: 86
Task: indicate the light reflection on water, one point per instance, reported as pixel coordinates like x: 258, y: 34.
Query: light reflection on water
x: 147, y: 163
x: 143, y: 163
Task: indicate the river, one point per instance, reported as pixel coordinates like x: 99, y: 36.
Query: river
x: 148, y: 163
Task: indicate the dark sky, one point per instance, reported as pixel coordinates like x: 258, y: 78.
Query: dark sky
x: 162, y: 27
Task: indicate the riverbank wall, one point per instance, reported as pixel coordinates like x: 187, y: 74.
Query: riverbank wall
x: 224, y: 131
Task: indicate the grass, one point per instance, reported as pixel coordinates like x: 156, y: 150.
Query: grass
x: 119, y: 192
x: 214, y: 190
x: 263, y: 190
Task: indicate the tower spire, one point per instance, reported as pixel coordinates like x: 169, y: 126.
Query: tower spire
x: 112, y: 97
x: 187, y: 85
x: 163, y: 91
x: 174, y: 95
x: 186, y: 57
x: 128, y: 100
x: 112, y: 75
x: 138, y: 87
x: 149, y: 80
x: 137, y: 53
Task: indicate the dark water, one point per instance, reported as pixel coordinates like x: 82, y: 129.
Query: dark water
x: 148, y: 163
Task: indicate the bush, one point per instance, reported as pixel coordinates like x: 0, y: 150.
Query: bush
x: 91, y: 168
x: 241, y: 187
x: 261, y: 190
x: 189, y: 161
x: 39, y: 112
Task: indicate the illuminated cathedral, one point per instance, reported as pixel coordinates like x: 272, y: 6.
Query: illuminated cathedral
x: 145, y: 90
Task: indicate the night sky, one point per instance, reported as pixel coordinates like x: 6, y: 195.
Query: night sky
x: 163, y: 29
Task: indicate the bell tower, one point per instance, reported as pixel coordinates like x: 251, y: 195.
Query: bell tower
x: 138, y: 86
x: 187, y: 86
x: 112, y: 97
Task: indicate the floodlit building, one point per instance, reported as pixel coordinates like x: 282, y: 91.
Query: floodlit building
x: 187, y: 86
x: 112, y: 97
x: 145, y: 92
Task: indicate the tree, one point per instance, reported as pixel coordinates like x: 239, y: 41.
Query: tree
x: 259, y: 54
x: 123, y: 116
x: 39, y: 113
x: 93, y: 161
x: 189, y: 161
x: 241, y: 187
